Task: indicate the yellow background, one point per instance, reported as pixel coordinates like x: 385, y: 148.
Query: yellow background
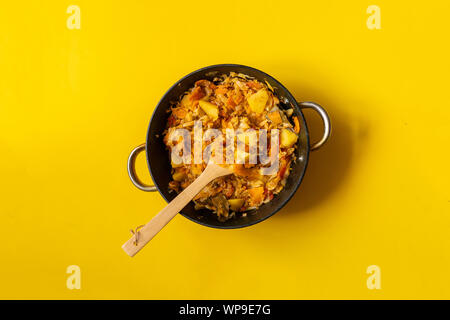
x: 73, y: 104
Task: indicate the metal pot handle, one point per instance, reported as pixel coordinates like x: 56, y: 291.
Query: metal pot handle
x: 326, y: 122
x: 132, y: 170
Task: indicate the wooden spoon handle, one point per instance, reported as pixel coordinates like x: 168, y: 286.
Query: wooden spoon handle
x: 131, y: 247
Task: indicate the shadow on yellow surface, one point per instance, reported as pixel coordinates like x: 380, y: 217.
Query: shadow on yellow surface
x: 328, y: 167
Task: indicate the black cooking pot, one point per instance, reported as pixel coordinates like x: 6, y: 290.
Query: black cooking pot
x: 159, y: 162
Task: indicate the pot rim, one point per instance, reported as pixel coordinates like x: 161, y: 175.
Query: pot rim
x: 293, y: 187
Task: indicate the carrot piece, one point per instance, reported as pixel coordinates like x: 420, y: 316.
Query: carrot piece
x: 238, y: 97
x: 296, y: 125
x: 231, y: 102
x: 221, y: 90
x: 282, y: 172
x: 283, y: 167
x: 256, y: 194
x: 180, y: 113
x: 275, y: 117
x: 171, y: 121
x: 254, y: 84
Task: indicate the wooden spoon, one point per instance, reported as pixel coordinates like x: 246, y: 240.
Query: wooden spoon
x: 147, y: 232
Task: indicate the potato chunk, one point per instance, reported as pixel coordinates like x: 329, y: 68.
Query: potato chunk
x: 210, y: 109
x: 179, y: 176
x: 235, y: 204
x: 258, y: 100
x: 257, y: 195
x: 288, y: 138
x: 186, y: 102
